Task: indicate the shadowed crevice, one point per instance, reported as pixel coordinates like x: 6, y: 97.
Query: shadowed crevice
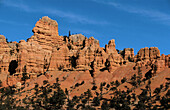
x: 12, y: 67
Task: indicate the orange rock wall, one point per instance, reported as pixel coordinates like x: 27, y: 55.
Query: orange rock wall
x: 47, y: 51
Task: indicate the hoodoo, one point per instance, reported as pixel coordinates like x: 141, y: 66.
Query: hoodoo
x: 47, y: 51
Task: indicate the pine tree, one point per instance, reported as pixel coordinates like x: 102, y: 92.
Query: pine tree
x: 117, y: 83
x: 69, y: 34
x: 89, y: 95
x: 105, y: 105
x: 58, y: 98
x: 96, y: 101
x: 101, y: 90
x: 124, y: 80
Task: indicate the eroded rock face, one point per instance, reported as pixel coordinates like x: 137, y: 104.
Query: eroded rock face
x: 77, y: 40
x: 31, y: 57
x: 4, y: 55
x: 110, y: 48
x: 148, y: 54
x: 167, y: 61
x: 154, y: 52
x: 46, y: 35
x: 159, y: 65
x: 47, y: 51
x: 36, y: 53
x: 60, y: 59
x: 87, y: 56
x: 114, y: 62
x: 150, y: 57
x: 128, y: 54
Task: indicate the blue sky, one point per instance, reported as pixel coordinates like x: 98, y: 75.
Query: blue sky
x: 132, y: 23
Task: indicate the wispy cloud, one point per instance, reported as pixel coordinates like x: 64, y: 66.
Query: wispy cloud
x: 67, y: 15
x: 13, y: 23
x: 155, y: 15
x: 74, y: 17
x: 17, y: 4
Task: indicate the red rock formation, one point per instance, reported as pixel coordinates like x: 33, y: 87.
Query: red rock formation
x: 47, y: 37
x: 114, y: 61
x: 110, y: 48
x: 154, y: 53
x: 143, y: 54
x: 46, y: 33
x: 148, y: 53
x: 35, y: 54
x: 47, y: 52
x: 159, y: 65
x: 151, y: 57
x: 60, y: 59
x: 77, y: 40
x: 30, y: 57
x: 167, y: 61
x: 128, y: 54
x: 4, y: 55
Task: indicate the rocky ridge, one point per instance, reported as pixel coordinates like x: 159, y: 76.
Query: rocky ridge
x: 46, y: 52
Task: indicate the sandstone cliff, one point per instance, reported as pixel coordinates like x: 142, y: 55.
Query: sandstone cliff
x: 47, y: 52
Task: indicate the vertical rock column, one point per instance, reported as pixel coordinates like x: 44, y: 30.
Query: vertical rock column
x: 4, y: 55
